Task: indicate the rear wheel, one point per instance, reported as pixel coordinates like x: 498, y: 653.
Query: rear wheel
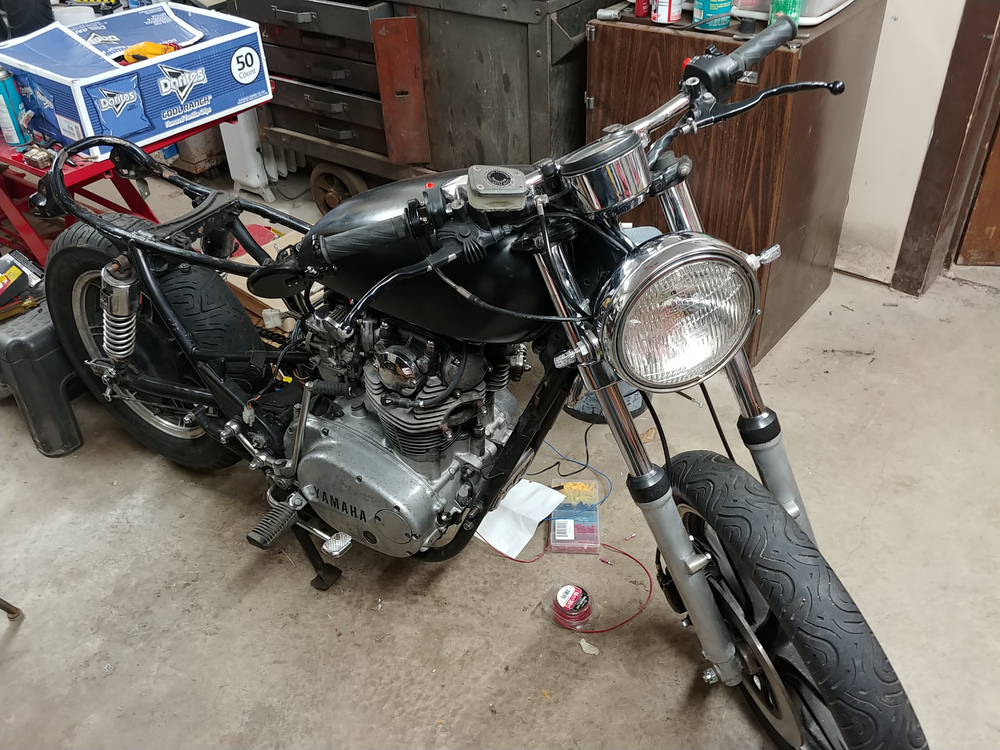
x: 816, y: 677
x: 214, y: 317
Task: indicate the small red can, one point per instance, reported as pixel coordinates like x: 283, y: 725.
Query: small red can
x: 571, y: 606
x: 641, y: 8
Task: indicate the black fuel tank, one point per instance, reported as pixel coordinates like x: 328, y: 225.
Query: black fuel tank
x: 506, y: 279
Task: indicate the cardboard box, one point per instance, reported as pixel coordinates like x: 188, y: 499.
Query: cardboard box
x: 70, y: 80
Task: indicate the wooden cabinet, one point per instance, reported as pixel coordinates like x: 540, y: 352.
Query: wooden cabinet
x: 780, y: 173
x: 981, y: 243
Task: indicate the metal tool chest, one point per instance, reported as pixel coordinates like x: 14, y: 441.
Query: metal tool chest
x: 396, y: 89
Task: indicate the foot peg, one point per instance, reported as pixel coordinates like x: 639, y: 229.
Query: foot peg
x: 276, y: 522
x: 337, y: 544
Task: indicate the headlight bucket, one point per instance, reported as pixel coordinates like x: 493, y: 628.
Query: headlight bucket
x: 676, y: 311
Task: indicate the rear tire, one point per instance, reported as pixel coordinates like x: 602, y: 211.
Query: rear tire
x: 786, y: 606
x: 210, y: 310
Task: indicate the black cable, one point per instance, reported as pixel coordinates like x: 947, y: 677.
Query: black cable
x: 557, y: 464
x: 410, y: 403
x: 587, y: 223
x: 659, y: 429
x: 567, y: 293
x: 479, y: 302
x: 718, y: 425
x: 292, y: 340
x: 663, y: 142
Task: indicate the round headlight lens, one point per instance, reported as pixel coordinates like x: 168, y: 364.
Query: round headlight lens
x: 673, y: 323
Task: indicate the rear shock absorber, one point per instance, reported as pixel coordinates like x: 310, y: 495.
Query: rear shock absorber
x: 120, y: 303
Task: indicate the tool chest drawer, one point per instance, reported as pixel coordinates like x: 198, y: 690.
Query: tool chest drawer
x: 341, y: 72
x: 297, y: 40
x: 329, y: 128
x: 327, y: 102
x: 345, y: 20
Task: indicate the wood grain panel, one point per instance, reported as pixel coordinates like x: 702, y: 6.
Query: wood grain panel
x: 981, y: 244
x: 821, y: 148
x: 780, y: 173
x: 735, y: 163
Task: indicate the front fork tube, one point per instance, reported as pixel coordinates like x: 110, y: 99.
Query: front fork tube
x: 651, y: 490
x: 649, y: 484
x: 761, y: 433
x: 758, y: 425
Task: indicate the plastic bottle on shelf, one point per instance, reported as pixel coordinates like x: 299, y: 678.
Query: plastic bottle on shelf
x: 706, y: 8
x: 790, y: 8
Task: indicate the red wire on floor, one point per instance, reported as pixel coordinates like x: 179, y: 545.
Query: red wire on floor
x: 514, y: 559
x: 649, y: 594
x: 649, y: 576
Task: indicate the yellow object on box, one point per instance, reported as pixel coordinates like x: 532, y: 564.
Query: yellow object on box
x: 146, y: 50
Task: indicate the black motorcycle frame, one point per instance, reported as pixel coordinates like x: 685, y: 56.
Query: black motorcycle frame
x: 219, y: 217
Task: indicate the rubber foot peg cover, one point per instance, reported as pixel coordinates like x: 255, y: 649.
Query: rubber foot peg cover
x: 270, y: 528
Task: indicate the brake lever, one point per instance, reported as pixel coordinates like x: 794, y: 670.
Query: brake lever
x: 726, y: 111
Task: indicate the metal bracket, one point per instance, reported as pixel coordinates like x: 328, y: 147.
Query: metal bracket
x: 695, y: 562
x: 562, y: 42
x: 333, y: 108
x: 293, y: 16
x: 588, y: 100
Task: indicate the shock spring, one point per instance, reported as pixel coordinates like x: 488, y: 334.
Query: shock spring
x: 120, y: 305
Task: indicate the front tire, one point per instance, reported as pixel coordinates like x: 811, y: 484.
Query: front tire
x: 209, y: 308
x: 818, y: 678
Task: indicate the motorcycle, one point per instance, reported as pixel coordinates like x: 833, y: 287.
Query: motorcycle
x: 384, y: 417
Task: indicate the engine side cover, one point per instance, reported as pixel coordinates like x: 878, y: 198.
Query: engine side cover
x: 363, y: 488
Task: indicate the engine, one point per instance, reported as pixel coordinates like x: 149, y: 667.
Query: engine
x: 398, y: 464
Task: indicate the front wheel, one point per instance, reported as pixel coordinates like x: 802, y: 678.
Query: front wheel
x: 815, y: 675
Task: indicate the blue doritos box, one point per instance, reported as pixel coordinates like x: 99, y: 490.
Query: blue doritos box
x: 74, y: 86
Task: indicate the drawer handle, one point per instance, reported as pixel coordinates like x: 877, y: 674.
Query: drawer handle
x: 334, y: 74
x: 293, y: 16
x: 336, y: 135
x: 334, y: 108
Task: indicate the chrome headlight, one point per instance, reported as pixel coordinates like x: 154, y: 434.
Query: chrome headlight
x: 676, y: 310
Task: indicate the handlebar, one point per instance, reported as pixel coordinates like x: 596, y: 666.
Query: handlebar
x: 782, y: 31
x: 718, y: 74
x: 335, y: 246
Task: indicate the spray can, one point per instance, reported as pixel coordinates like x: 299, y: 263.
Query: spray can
x: 665, y: 11
x: 11, y: 111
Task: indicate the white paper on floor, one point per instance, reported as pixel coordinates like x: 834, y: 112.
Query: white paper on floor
x: 513, y: 523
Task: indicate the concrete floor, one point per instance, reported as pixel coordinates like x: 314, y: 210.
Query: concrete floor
x: 150, y: 622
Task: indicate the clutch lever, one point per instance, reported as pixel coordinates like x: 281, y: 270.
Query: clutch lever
x: 726, y: 111
x: 694, y: 120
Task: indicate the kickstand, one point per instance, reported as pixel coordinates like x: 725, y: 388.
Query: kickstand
x: 326, y: 574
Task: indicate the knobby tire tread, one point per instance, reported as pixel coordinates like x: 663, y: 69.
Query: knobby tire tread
x: 814, y: 609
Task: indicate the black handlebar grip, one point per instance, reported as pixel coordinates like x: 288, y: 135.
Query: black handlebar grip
x: 334, y: 246
x: 780, y: 32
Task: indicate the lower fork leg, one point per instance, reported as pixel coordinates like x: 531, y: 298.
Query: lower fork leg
x: 655, y: 499
x: 651, y: 490
x: 761, y: 434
